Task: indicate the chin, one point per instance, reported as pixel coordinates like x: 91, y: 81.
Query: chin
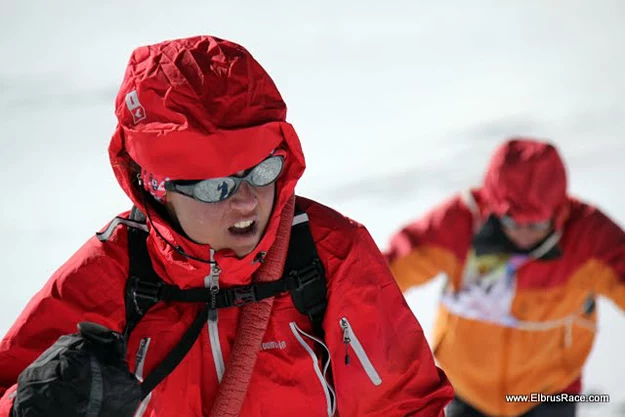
x: 243, y: 252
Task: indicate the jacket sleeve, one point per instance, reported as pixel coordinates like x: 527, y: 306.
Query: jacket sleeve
x: 609, y: 258
x: 85, y: 288
x: 436, y: 243
x: 381, y: 361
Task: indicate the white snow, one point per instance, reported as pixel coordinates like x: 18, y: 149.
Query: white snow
x: 398, y: 104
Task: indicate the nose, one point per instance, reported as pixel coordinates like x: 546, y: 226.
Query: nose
x: 244, y: 200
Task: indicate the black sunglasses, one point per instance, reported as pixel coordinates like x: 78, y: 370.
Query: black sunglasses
x: 214, y: 190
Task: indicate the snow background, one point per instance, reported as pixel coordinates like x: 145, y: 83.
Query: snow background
x: 397, y: 103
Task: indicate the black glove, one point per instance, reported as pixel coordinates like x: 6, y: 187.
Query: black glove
x: 81, y: 375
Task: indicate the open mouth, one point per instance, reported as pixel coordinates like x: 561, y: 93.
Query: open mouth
x: 243, y: 228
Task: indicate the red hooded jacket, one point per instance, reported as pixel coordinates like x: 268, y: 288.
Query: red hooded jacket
x: 200, y: 108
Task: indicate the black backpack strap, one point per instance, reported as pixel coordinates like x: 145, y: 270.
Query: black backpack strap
x: 176, y: 355
x: 142, y: 290
x: 305, y: 274
x: 226, y: 297
x: 141, y: 274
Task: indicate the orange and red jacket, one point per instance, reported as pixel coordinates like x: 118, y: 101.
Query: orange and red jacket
x: 534, y: 335
x: 391, y: 371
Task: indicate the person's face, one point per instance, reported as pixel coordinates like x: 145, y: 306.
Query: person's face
x: 524, y: 236
x: 237, y: 223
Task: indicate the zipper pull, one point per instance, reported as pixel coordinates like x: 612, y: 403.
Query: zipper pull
x: 346, y: 339
x: 260, y: 257
x: 214, y: 289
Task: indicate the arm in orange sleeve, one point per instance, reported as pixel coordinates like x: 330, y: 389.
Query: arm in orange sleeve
x: 609, y: 251
x: 435, y: 243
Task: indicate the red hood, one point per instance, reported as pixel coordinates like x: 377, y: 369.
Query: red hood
x: 526, y: 179
x: 197, y: 108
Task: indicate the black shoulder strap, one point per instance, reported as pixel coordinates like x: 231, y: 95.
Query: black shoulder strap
x: 141, y: 275
x: 177, y: 354
x: 142, y: 290
x: 305, y: 274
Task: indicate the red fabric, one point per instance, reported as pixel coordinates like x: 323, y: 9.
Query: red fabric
x: 448, y: 225
x: 182, y: 127
x: 526, y: 180
x: 6, y: 401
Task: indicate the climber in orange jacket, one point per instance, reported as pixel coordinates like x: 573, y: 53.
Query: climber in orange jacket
x: 524, y: 264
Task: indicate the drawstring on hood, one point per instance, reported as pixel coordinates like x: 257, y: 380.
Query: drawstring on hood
x: 177, y: 248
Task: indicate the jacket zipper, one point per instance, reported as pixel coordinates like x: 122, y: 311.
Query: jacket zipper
x: 144, y: 345
x: 327, y: 389
x: 350, y: 339
x: 212, y: 282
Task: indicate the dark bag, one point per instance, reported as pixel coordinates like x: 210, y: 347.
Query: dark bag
x: 81, y: 375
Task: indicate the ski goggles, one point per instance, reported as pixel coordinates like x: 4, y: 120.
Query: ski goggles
x: 542, y: 226
x: 214, y: 190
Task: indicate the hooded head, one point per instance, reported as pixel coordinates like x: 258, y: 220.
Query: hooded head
x: 198, y: 108
x: 526, y: 180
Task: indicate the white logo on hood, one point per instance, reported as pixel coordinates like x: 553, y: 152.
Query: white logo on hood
x: 135, y: 107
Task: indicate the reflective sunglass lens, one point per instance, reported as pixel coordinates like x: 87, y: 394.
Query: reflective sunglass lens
x: 266, y: 172
x: 214, y: 190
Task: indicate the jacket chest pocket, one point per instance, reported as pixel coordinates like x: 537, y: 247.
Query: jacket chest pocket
x: 353, y: 347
